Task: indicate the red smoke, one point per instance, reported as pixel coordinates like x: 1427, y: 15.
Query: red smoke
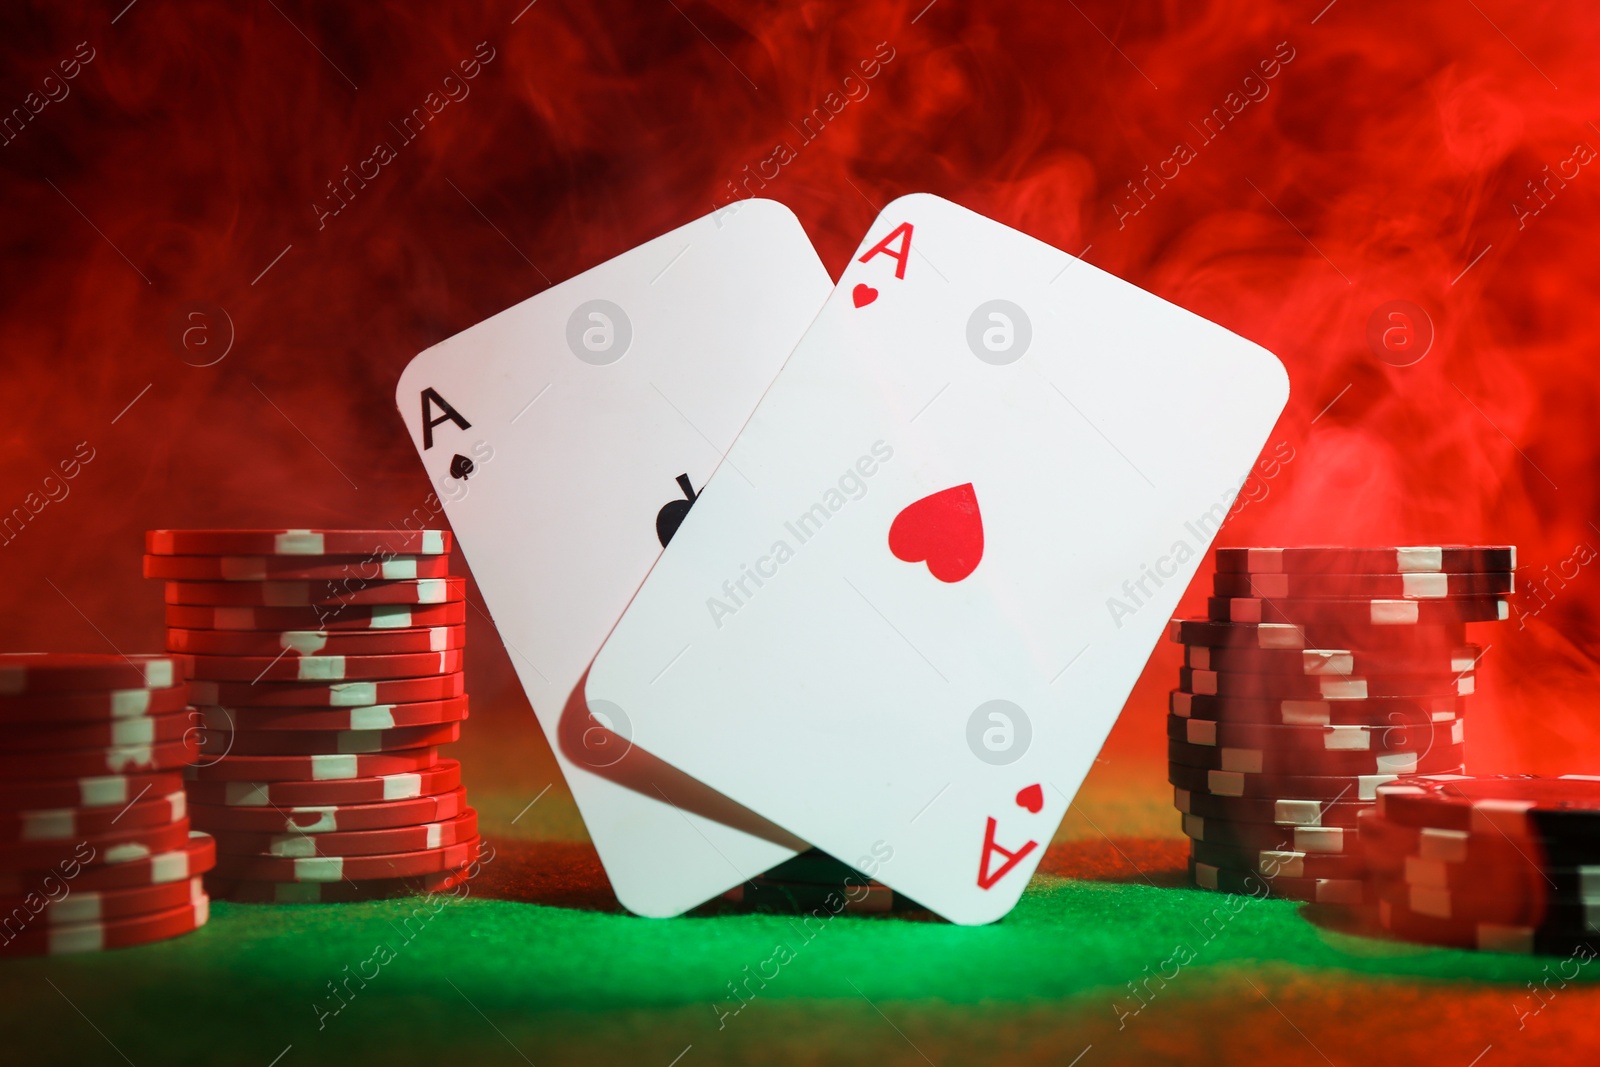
x: 1388, y: 159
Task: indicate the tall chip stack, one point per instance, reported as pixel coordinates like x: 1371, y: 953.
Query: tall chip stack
x: 1504, y: 863
x: 1319, y: 674
x: 327, y: 672
x: 95, y: 846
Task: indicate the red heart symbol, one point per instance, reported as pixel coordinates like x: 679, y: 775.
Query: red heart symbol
x: 863, y: 294
x: 1031, y: 797
x: 944, y: 529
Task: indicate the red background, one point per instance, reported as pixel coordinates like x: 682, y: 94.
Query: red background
x: 1383, y: 163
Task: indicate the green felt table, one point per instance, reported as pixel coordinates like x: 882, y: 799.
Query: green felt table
x: 539, y: 965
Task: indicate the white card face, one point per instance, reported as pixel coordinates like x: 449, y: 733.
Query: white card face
x: 891, y: 621
x: 583, y: 420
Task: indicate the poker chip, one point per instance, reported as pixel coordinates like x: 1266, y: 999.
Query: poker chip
x: 317, y: 642
x: 338, y: 617
x: 50, y: 672
x: 330, y: 819
x: 1326, y: 661
x: 180, y: 864
x: 95, y: 791
x: 332, y: 695
x: 1279, y: 863
x: 1374, y: 711
x: 244, y: 891
x: 1354, y: 610
x: 284, y: 668
x: 1276, y: 811
x: 85, y: 762
x: 443, y: 776
x: 859, y: 898
x: 73, y: 823
x: 388, y: 840
x: 72, y: 938
x: 90, y: 906
x: 1523, y: 806
x: 1413, y: 585
x: 242, y: 742
x: 1342, y: 891
x: 1243, y: 784
x: 103, y: 733
x: 117, y: 846
x: 1487, y: 937
x: 1265, y: 686
x: 324, y: 767
x: 1410, y: 737
x: 317, y: 594
x: 368, y: 568
x: 1467, y: 559
x: 92, y: 705
x: 1321, y: 840
x: 296, y: 542
x: 339, y: 868
x: 370, y: 717
x: 1418, y: 640
x: 1314, y: 762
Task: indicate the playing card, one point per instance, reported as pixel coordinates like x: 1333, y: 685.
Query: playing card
x: 567, y: 437
x: 905, y: 612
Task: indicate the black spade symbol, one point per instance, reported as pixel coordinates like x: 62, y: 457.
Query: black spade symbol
x: 670, y: 517
x: 461, y: 467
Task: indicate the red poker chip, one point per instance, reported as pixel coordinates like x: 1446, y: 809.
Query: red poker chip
x: 217, y: 744
x: 92, y: 705
x: 87, y: 762
x: 49, y: 672
x: 1335, y: 559
x: 1403, y: 738
x: 152, y: 811
x: 1416, y: 585
x: 112, y: 933
x: 1276, y: 864
x: 312, y: 594
x: 1258, y: 686
x: 93, y: 791
x: 118, y: 846
x: 1568, y: 940
x: 318, y: 768
x: 1350, y: 892
x: 331, y: 819
x: 1411, y: 640
x: 1315, y: 762
x: 285, y: 668
x: 1372, y: 612
x: 330, y: 695
x: 77, y: 875
x: 45, y: 735
x: 339, y: 868
x: 297, y: 542
x: 1328, y: 661
x: 1310, y: 787
x: 368, y: 568
x: 1527, y: 807
x: 1321, y: 840
x: 443, y: 776
x: 394, y: 839
x: 1390, y: 845
x: 317, y: 642
x: 246, y: 719
x: 243, y: 891
x: 337, y: 617
x: 1374, y: 711
x: 1271, y: 810
x: 90, y: 906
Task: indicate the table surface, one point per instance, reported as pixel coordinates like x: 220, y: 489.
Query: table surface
x: 1108, y: 957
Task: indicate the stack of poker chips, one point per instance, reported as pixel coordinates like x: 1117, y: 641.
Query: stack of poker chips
x: 1319, y: 674
x: 95, y: 846
x: 814, y: 882
x: 327, y: 671
x: 1506, y: 863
